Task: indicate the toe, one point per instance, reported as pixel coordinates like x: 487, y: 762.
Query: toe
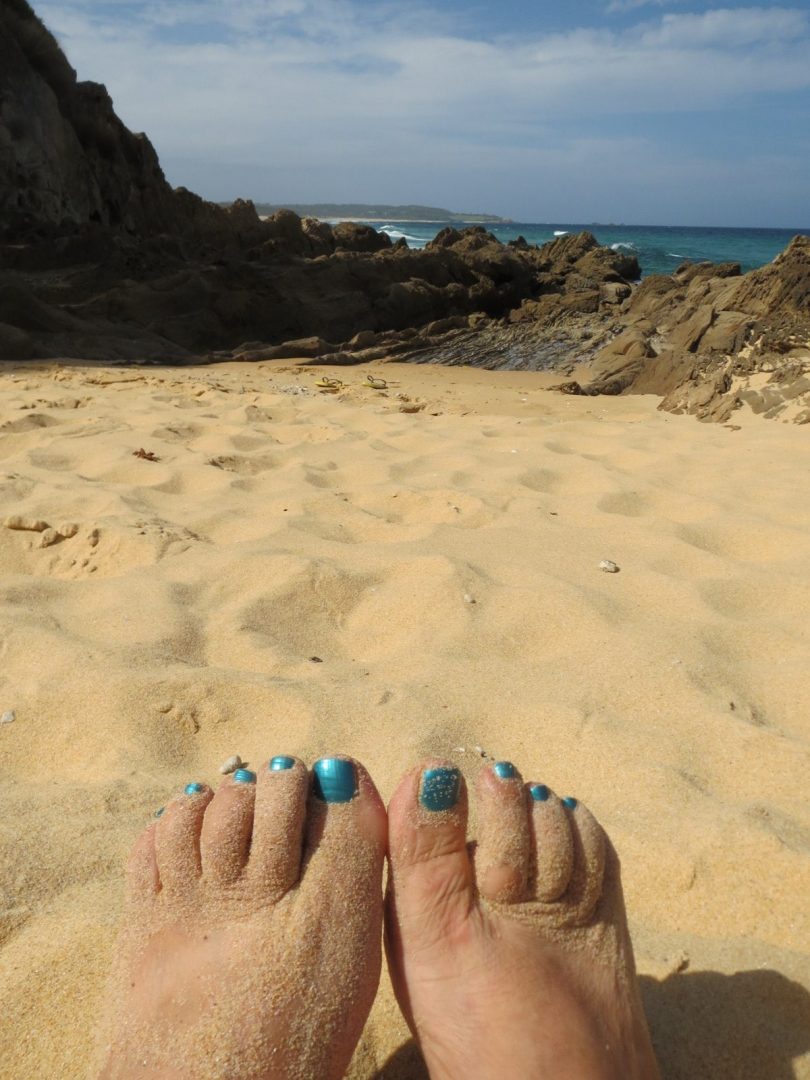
x: 278, y: 825
x: 143, y: 880
x: 346, y: 823
x: 177, y: 839
x: 503, y: 854
x: 431, y: 889
x: 553, y: 843
x: 590, y: 852
x: 227, y: 829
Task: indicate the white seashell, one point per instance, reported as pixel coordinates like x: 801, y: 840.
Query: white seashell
x: 7, y: 717
x: 480, y: 750
x: 608, y: 566
x: 469, y: 598
x: 231, y: 765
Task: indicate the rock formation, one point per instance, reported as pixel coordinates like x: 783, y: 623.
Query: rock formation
x: 100, y: 258
x: 711, y: 340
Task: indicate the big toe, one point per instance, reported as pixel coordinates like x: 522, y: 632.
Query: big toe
x: 345, y: 835
x: 431, y: 888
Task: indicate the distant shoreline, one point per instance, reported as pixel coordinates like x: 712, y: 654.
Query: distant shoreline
x: 380, y: 212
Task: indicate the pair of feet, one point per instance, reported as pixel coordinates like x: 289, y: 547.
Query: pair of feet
x: 251, y: 942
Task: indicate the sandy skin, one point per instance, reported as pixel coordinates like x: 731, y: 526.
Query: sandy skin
x: 516, y: 961
x: 251, y: 941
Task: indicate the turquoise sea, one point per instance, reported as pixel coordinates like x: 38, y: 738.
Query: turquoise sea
x: 659, y: 248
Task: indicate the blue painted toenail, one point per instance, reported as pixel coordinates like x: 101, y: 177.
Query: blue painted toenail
x: 159, y: 813
x: 440, y: 788
x: 193, y: 789
x: 570, y: 802
x: 539, y: 792
x: 280, y: 763
x: 334, y: 780
x: 244, y: 776
x: 504, y: 769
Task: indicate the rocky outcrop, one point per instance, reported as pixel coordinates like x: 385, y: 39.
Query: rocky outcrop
x: 711, y: 341
x: 68, y: 166
x: 100, y: 257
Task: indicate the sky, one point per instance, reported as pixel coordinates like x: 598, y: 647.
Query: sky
x: 649, y: 112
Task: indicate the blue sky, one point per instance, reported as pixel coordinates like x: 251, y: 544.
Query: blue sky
x: 667, y: 112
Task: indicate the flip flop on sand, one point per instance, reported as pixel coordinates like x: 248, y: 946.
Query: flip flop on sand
x: 329, y: 384
x: 376, y: 384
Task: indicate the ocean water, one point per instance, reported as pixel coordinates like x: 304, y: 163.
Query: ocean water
x: 659, y: 249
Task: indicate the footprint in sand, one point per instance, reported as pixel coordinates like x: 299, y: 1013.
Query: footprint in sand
x: 32, y: 422
x: 244, y: 466
x: 625, y: 503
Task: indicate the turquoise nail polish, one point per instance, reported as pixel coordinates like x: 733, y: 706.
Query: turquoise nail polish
x: 244, y: 776
x: 193, y: 789
x: 280, y: 763
x: 440, y: 787
x: 539, y: 792
x: 160, y: 812
x: 504, y: 769
x: 570, y: 802
x: 335, y: 780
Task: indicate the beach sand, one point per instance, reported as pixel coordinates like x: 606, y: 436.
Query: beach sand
x: 307, y: 572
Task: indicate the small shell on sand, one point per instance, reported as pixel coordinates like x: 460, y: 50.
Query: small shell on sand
x: 469, y: 598
x: 608, y: 566
x: 231, y: 765
x: 7, y: 717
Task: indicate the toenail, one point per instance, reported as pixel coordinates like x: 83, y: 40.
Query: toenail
x: 335, y: 780
x: 570, y: 802
x: 193, y: 789
x: 159, y: 813
x: 440, y: 788
x: 504, y: 769
x: 539, y: 792
x: 244, y: 776
x: 278, y: 764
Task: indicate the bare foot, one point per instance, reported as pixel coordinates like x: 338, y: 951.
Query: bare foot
x: 530, y: 974
x: 250, y: 946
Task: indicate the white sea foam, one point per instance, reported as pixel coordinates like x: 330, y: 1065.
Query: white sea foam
x: 622, y: 247
x: 561, y: 232
x: 396, y: 234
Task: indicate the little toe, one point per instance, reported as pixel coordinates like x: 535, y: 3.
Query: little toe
x: 143, y: 880
x: 553, y: 843
x: 278, y: 825
x: 227, y: 829
x: 431, y: 889
x: 590, y: 853
x: 177, y: 839
x: 503, y: 854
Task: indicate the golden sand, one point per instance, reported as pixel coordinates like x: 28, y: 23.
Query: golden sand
x: 443, y: 567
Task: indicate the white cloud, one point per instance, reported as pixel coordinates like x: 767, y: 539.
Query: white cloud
x: 312, y: 93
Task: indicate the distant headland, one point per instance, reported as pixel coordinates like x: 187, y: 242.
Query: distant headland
x: 378, y: 212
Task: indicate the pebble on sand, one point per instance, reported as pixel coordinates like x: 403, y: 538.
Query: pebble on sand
x: 231, y: 765
x: 608, y: 566
x: 8, y: 717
